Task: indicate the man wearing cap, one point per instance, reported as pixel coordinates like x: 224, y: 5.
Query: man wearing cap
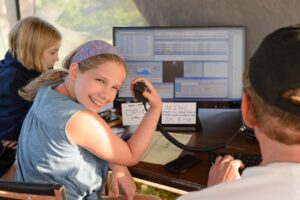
x: 271, y: 106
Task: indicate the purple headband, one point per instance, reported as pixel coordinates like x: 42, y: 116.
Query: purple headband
x: 94, y: 48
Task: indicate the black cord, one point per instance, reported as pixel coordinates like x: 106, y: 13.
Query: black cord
x: 169, y: 137
x: 241, y: 129
x: 186, y: 147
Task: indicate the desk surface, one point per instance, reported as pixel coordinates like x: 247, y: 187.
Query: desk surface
x: 214, y: 131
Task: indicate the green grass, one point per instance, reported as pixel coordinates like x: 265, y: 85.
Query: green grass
x: 163, y: 194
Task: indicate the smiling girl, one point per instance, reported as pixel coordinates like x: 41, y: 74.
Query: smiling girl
x: 63, y: 139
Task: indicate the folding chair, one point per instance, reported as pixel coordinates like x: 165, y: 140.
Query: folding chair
x: 32, y: 191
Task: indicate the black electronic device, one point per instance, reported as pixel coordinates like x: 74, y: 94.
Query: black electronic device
x: 179, y: 165
x: 248, y: 160
x: 138, y: 90
x: 185, y: 64
x: 111, y: 117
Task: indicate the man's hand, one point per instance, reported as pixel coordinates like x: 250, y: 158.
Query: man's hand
x: 121, y: 176
x: 9, y: 144
x: 225, y: 169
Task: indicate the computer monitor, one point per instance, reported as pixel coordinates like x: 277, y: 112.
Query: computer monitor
x: 185, y: 64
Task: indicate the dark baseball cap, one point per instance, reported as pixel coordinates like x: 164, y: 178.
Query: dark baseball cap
x: 275, y: 67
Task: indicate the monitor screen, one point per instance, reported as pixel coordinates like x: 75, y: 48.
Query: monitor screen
x: 185, y: 64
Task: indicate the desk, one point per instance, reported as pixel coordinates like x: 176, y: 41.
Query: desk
x: 218, y: 130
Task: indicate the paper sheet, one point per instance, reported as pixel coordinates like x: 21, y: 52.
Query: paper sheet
x: 161, y: 151
x: 132, y: 113
x: 179, y: 113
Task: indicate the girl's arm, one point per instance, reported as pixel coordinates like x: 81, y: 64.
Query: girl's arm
x: 91, y: 132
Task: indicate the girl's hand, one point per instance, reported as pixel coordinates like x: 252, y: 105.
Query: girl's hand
x: 122, y: 177
x: 9, y: 144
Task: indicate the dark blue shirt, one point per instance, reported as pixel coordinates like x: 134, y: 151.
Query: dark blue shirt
x: 13, y: 109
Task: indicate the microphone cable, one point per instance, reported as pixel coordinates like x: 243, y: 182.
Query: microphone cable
x: 209, y: 148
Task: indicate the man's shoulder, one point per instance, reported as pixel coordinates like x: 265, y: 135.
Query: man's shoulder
x: 256, y: 183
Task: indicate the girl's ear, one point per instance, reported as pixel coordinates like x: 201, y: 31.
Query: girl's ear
x: 247, y: 111
x: 73, y: 71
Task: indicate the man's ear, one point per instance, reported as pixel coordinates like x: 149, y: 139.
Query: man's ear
x: 247, y: 111
x: 73, y: 71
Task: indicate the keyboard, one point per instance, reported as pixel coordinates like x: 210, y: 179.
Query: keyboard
x: 247, y: 159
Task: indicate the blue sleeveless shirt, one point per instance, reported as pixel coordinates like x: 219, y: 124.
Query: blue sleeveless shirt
x: 45, y: 153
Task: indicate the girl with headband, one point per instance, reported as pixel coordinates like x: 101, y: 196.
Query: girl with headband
x: 63, y: 139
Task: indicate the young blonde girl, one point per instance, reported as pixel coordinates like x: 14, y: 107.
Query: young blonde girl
x: 63, y: 140
x: 33, y: 48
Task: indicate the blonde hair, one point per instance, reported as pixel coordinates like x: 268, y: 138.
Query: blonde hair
x: 53, y: 77
x: 29, y: 38
x: 273, y: 121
